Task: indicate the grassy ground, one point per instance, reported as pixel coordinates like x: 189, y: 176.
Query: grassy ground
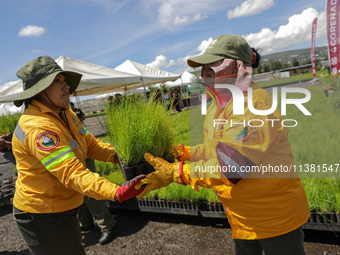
x: 313, y: 141
x: 293, y: 79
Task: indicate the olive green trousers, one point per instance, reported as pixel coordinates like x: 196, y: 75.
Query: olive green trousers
x: 95, y: 209
x: 50, y: 233
x: 287, y: 244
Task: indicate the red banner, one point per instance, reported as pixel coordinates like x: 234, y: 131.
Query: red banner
x: 313, y: 46
x: 333, y: 8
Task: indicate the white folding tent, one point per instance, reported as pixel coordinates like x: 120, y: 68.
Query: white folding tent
x: 97, y: 79
x: 4, y: 109
x: 147, y: 73
x: 185, y: 79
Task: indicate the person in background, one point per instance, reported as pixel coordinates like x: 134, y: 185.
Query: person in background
x: 118, y: 98
x: 92, y: 208
x: 50, y: 145
x: 97, y: 210
x: 78, y: 112
x: 110, y: 101
x: 6, y: 149
x: 178, y: 100
x: 265, y: 210
x: 166, y: 99
x: 4, y: 144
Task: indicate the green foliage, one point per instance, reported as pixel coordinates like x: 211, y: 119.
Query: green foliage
x: 323, y: 194
x: 137, y: 126
x: 292, y: 79
x: 8, y: 123
x: 313, y: 141
x: 332, y: 88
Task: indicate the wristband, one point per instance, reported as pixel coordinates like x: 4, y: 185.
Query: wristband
x: 181, y: 172
x: 179, y: 158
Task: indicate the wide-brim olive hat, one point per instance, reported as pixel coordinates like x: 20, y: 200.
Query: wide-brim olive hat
x: 39, y: 73
x: 224, y: 46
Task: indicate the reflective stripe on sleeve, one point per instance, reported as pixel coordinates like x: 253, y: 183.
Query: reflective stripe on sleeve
x: 73, y: 144
x: 57, y: 157
x: 20, y: 133
x: 84, y: 131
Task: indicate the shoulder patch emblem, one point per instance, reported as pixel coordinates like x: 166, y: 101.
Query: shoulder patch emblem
x: 47, y: 141
x: 244, y: 134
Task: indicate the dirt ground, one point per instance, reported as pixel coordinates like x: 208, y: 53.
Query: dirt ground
x: 146, y: 233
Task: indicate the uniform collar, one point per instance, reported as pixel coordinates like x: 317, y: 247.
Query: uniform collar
x: 42, y: 107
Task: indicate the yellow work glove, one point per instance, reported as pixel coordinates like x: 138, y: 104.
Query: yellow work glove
x: 165, y: 173
x: 181, y: 152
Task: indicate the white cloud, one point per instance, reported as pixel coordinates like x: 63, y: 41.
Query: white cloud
x: 199, y: 16
x: 186, y: 19
x: 179, y: 12
x: 250, y: 7
x: 111, y: 5
x: 183, y: 20
x: 161, y: 62
x: 179, y: 65
x: 296, y: 31
x: 204, y: 45
x: 32, y: 31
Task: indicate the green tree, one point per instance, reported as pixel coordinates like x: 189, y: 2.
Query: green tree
x: 307, y: 61
x: 275, y: 65
x: 266, y: 68
x: 295, y: 62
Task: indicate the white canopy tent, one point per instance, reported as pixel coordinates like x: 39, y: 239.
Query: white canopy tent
x: 4, y: 109
x: 7, y: 109
x: 146, y: 73
x: 97, y: 79
x: 185, y: 79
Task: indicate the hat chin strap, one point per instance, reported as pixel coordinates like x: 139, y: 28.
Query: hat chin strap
x: 61, y: 108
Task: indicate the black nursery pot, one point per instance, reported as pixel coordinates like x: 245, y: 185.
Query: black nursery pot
x: 130, y: 172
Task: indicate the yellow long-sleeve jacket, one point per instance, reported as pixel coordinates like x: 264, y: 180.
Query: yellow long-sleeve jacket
x: 257, y: 204
x: 50, y: 156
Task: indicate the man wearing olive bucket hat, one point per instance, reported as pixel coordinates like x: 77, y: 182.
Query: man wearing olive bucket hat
x: 50, y: 145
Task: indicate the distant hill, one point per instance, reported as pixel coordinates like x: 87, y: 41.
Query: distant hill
x: 301, y: 55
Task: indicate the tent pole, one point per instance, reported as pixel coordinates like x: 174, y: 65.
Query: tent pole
x: 181, y: 103
x: 146, y: 98
x: 77, y: 99
x: 186, y: 98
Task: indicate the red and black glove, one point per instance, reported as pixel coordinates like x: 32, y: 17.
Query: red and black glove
x: 127, y: 190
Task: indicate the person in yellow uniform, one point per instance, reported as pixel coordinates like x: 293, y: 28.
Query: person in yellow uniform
x: 265, y: 209
x: 93, y: 209
x: 50, y: 145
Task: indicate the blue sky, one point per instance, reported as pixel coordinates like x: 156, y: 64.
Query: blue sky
x: 161, y: 33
